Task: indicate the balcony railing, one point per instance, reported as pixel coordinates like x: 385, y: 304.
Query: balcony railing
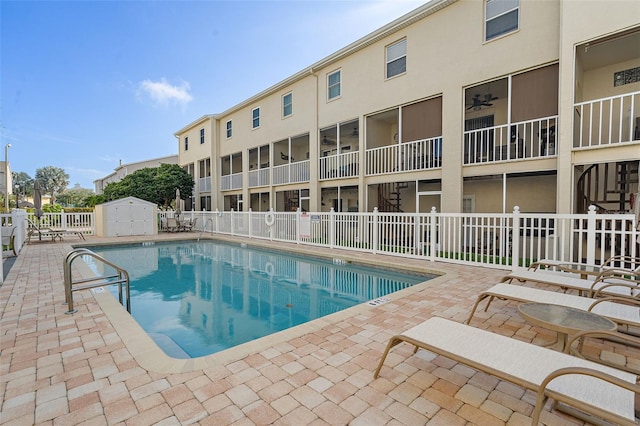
x: 339, y: 166
x: 607, y: 121
x: 410, y: 156
x: 204, y: 184
x: 291, y: 173
x: 229, y: 182
x: 259, y: 177
x: 515, y: 141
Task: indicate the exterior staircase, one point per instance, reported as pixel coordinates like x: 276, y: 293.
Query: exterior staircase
x: 389, y: 196
x: 608, y: 186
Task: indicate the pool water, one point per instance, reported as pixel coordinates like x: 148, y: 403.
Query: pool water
x: 198, y: 298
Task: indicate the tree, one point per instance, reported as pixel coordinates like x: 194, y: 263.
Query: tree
x: 53, y: 180
x: 23, y: 184
x: 157, y: 185
x: 75, y: 197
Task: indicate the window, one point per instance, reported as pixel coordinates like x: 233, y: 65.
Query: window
x: 287, y: 105
x: 229, y: 129
x: 186, y: 143
x: 333, y: 85
x: 397, y: 58
x: 201, y: 136
x: 501, y: 17
x: 255, y: 117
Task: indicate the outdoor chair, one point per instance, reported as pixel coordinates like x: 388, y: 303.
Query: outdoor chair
x: 621, y: 264
x: 8, y: 239
x: 606, y: 283
x: 188, y: 225
x: 621, y: 310
x: 580, y: 387
x: 172, y: 224
x: 46, y: 232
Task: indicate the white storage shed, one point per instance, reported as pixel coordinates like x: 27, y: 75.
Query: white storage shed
x: 125, y: 217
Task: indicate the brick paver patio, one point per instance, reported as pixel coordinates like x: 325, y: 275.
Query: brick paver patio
x: 77, y: 369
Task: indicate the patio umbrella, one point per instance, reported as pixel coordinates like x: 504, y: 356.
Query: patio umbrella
x: 37, y: 199
x: 178, y: 211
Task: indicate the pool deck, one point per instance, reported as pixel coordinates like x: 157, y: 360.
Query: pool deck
x: 88, y: 368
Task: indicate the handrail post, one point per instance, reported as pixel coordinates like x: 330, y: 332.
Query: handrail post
x: 433, y: 237
x: 374, y: 242
x: 591, y: 235
x: 515, y: 239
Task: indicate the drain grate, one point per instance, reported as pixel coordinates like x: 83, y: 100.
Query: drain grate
x: 379, y: 301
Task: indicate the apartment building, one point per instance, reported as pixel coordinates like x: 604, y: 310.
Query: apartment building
x: 465, y: 106
x: 126, y: 169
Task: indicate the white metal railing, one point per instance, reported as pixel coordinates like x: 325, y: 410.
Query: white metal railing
x: 233, y: 181
x: 259, y: 177
x: 204, y: 184
x: 500, y: 240
x: 409, y: 156
x: 523, y: 139
x: 339, y: 166
x: 291, y: 173
x: 607, y: 121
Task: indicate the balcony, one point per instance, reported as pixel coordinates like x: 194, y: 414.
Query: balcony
x: 339, y: 166
x: 521, y: 140
x: 291, y: 173
x: 607, y: 121
x: 229, y: 182
x: 204, y: 184
x: 423, y: 154
x: 259, y: 177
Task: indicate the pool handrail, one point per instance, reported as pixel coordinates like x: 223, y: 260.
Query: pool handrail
x: 121, y: 277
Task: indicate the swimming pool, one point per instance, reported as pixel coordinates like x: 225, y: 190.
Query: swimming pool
x: 198, y: 298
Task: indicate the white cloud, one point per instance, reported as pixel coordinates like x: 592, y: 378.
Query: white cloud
x: 163, y: 93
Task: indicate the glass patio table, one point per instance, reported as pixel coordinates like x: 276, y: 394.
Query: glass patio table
x: 564, y: 320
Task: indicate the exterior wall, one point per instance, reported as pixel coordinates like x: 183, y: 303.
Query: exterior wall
x: 446, y: 58
x: 591, y: 25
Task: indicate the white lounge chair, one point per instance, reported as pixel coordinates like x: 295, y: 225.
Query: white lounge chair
x: 587, y: 387
x: 605, y: 284
x: 617, y: 263
x: 623, y: 311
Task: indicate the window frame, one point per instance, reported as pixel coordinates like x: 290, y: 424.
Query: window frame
x: 338, y: 85
x: 290, y: 105
x: 255, y: 119
x: 186, y: 143
x: 229, y: 129
x: 488, y: 38
x: 202, y: 136
x: 387, y: 61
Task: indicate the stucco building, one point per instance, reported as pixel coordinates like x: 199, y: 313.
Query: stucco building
x: 466, y: 106
x: 126, y: 169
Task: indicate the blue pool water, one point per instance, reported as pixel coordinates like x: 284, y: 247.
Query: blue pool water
x: 198, y: 298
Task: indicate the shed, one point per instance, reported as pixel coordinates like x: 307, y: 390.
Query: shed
x: 126, y: 216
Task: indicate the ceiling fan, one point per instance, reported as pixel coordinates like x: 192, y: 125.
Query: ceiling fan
x: 479, y: 101
x: 327, y: 141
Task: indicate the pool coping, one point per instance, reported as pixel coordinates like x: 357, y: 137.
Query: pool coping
x: 151, y: 357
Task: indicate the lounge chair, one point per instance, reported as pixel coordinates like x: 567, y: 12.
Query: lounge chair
x: 46, y: 232
x: 587, y: 387
x: 607, y: 283
x: 623, y: 311
x: 620, y: 264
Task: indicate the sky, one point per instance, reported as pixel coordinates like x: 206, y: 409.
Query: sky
x: 85, y: 85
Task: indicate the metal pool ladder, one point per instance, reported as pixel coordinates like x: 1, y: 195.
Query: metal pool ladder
x: 120, y: 277
x: 204, y: 228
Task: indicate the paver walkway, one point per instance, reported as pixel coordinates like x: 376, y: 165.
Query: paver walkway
x: 76, y: 369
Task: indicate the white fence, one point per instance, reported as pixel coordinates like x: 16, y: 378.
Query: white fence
x: 607, y: 121
x: 493, y: 240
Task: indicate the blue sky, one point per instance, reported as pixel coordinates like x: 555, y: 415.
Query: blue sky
x: 87, y: 84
